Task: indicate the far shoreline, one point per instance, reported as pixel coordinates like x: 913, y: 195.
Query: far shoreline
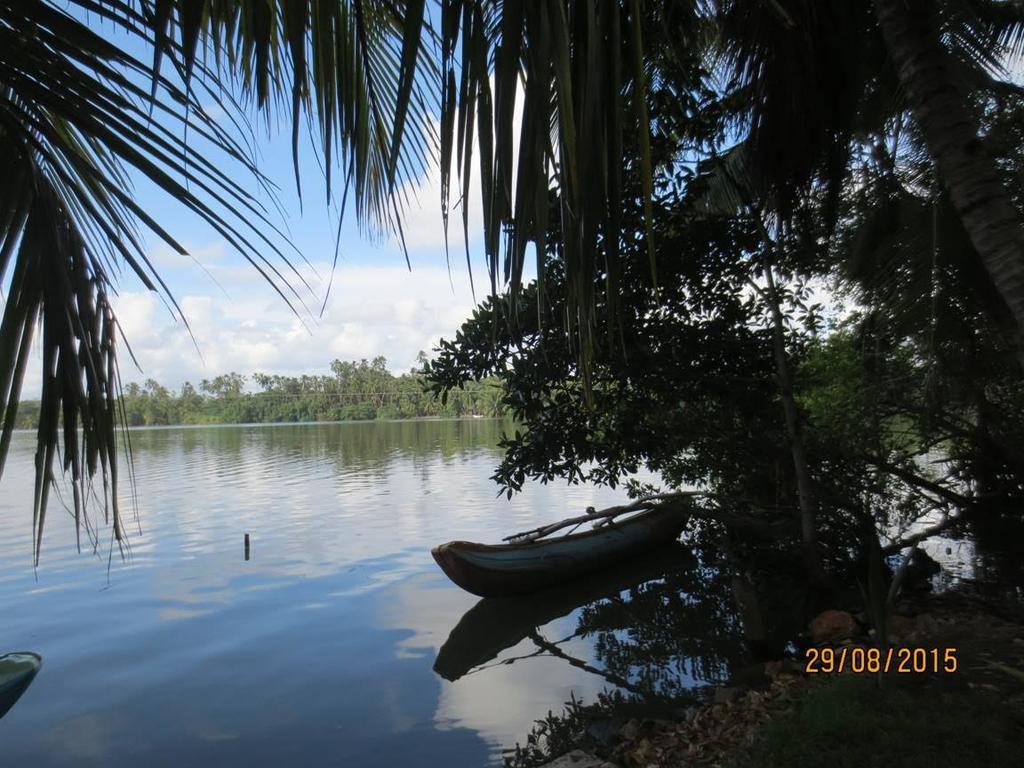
x: 267, y: 424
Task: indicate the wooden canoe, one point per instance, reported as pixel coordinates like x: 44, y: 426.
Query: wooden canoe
x: 17, y: 670
x: 498, y: 570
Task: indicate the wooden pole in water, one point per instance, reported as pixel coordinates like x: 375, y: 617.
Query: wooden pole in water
x: 247, y: 546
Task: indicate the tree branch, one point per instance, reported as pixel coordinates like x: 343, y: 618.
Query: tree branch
x: 917, y: 538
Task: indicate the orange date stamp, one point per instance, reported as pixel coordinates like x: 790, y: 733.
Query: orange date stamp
x: 858, y: 660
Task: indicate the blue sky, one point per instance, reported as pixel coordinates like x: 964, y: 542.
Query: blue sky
x: 376, y: 306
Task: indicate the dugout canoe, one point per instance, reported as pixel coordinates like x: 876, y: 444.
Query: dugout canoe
x: 17, y: 670
x: 499, y: 570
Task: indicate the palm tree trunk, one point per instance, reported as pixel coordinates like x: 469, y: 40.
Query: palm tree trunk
x: 951, y: 133
x: 805, y: 491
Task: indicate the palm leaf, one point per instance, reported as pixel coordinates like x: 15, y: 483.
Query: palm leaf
x: 579, y: 71
x: 78, y: 111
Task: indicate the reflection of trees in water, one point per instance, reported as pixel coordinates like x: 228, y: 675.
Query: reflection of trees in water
x: 746, y: 602
x: 656, y: 640
x: 700, y: 625
x: 666, y: 635
x: 658, y: 626
x: 359, y: 444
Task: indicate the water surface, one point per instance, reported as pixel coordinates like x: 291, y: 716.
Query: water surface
x: 318, y: 650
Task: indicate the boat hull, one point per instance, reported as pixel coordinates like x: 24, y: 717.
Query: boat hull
x: 498, y: 570
x: 17, y: 670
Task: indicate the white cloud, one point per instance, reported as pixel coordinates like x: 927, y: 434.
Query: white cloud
x: 422, y: 223
x: 373, y: 310
x: 238, y: 323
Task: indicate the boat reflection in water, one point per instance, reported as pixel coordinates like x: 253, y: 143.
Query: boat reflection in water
x: 660, y: 628
x: 495, y: 624
x: 17, y: 671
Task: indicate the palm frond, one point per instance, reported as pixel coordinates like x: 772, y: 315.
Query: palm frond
x: 357, y: 69
x: 577, y: 71
x: 722, y: 184
x: 59, y: 285
x: 806, y: 68
x: 80, y: 115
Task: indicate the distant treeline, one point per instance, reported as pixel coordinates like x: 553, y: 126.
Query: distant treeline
x: 361, y: 390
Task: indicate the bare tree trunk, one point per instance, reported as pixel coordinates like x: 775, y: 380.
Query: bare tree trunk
x: 951, y: 133
x: 805, y: 491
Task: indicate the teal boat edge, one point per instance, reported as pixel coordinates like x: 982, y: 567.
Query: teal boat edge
x: 17, y: 671
x: 497, y: 570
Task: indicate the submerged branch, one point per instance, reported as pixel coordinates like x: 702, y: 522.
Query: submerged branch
x: 611, y: 677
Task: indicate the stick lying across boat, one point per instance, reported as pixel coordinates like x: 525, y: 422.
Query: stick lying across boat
x: 526, y: 563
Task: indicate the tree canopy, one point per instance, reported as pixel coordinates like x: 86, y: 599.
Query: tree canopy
x: 908, y: 404
x: 567, y: 110
x: 356, y: 391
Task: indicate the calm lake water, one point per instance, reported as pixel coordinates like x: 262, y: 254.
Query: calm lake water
x: 321, y: 648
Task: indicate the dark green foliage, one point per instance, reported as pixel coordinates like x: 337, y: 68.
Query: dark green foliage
x: 932, y: 353
x: 684, y: 383
x: 358, y: 391
x: 557, y: 734
x: 680, y: 386
x: 851, y: 724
